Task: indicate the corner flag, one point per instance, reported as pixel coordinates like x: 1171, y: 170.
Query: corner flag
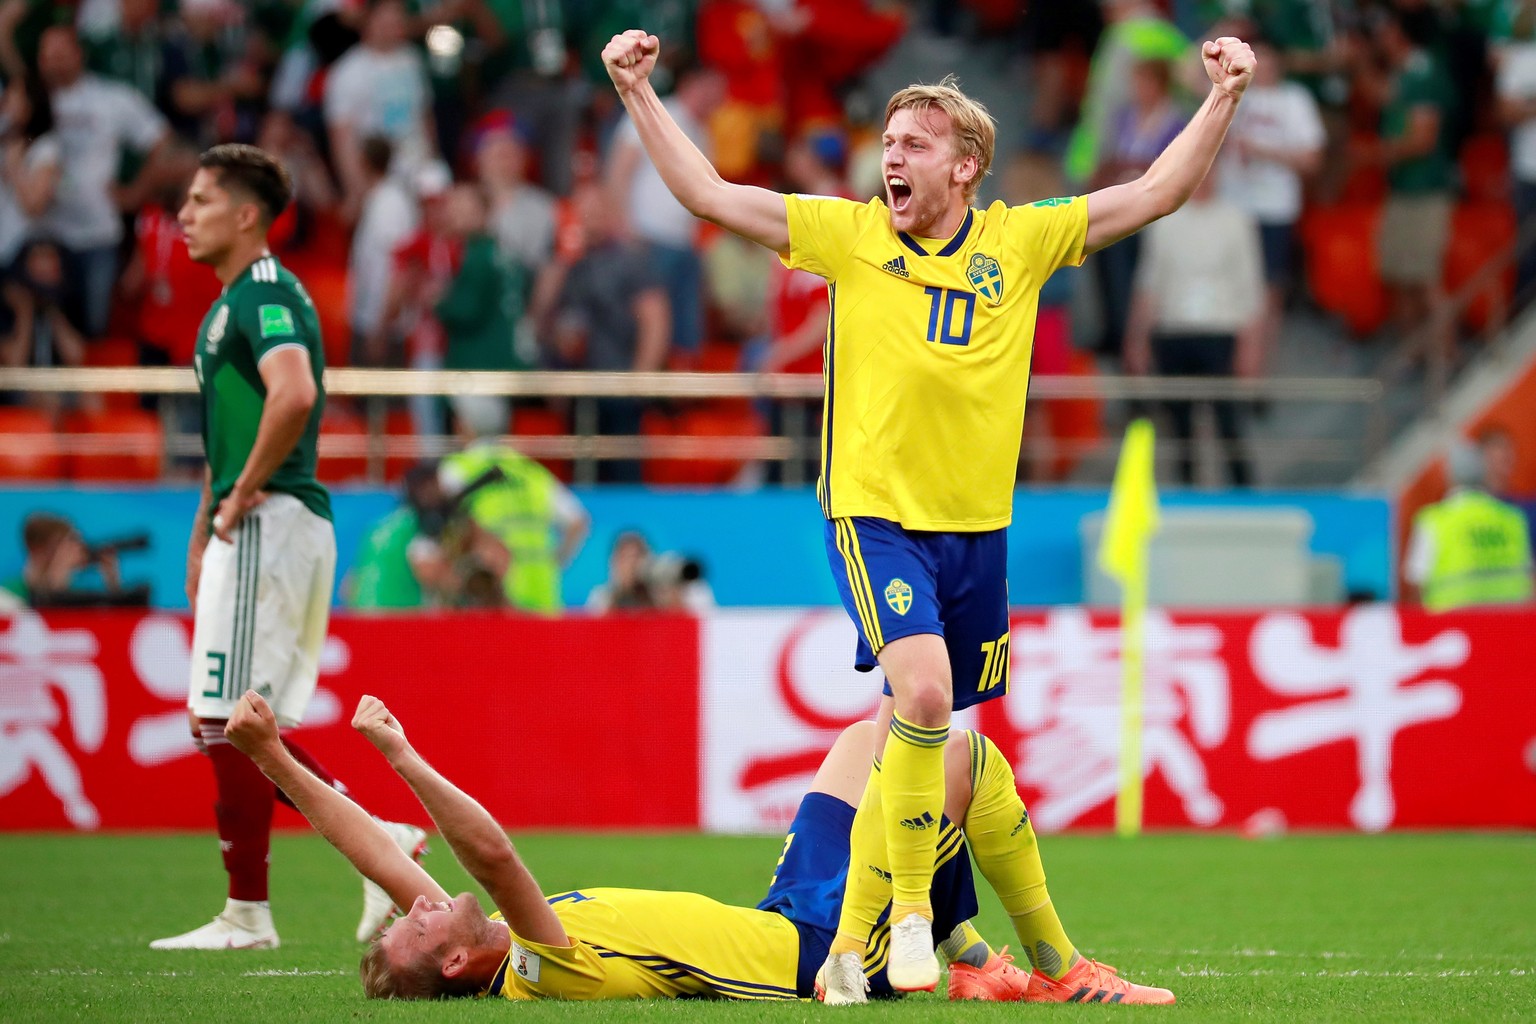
x: 1128, y: 528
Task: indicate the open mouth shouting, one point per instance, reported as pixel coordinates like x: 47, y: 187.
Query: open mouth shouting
x: 901, y: 193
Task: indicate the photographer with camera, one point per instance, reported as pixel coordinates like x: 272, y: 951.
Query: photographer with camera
x: 57, y: 554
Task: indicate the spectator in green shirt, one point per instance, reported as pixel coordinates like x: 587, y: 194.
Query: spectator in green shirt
x: 1420, y: 164
x: 382, y: 576
x: 480, y: 309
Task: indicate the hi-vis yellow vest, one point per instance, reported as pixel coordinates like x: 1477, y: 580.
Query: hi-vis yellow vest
x: 1482, y: 553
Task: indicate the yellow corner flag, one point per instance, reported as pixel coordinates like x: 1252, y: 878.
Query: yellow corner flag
x: 1128, y: 528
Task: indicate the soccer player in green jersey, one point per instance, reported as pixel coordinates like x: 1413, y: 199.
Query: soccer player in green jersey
x: 263, y: 553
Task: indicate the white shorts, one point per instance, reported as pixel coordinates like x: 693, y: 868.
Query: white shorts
x: 262, y: 605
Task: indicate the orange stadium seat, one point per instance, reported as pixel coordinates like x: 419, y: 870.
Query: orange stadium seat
x: 1481, y: 231
x: 114, y: 352
x: 1076, y: 422
x: 1340, y: 244
x: 29, y: 448
x: 139, y: 432
x: 542, y: 421
x: 723, y: 419
x: 398, y: 423
x: 340, y: 423
x: 1485, y: 168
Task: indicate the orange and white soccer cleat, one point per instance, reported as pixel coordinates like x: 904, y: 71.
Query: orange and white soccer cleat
x: 1093, y: 982
x: 998, y: 982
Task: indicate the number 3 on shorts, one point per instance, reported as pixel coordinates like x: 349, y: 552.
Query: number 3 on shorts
x: 215, y: 687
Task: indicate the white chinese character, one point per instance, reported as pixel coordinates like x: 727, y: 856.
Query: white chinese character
x: 33, y: 663
x: 1369, y: 665
x: 161, y: 653
x: 1066, y: 696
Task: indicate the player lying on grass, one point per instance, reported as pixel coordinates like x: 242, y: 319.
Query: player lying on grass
x: 605, y: 943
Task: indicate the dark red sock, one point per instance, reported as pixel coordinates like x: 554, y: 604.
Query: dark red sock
x: 244, y: 812
x: 316, y: 769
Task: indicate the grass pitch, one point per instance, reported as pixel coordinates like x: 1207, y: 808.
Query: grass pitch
x: 1301, y: 928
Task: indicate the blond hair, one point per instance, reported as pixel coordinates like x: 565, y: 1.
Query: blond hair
x: 972, y: 130
x: 419, y: 979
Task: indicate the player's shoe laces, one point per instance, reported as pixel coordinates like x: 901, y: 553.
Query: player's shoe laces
x: 913, y: 966
x: 1093, y: 982
x: 998, y: 982
x: 378, y: 908
x: 841, y: 981
x: 224, y: 933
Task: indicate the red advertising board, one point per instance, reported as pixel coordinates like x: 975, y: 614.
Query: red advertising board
x: 1368, y: 718
x: 551, y: 722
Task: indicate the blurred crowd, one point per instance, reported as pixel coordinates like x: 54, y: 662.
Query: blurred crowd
x: 470, y: 195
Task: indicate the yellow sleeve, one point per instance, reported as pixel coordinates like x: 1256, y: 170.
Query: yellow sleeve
x: 822, y: 233
x: 1051, y: 233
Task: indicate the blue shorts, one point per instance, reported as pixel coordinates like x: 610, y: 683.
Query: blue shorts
x: 896, y: 582
x: 808, y: 884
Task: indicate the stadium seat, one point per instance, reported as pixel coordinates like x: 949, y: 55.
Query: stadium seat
x: 340, y: 423
x: 29, y: 448
x: 1485, y: 168
x: 115, y: 352
x: 138, y: 435
x: 723, y: 419
x: 1075, y: 423
x: 1341, y: 264
x: 1481, y: 231
x: 398, y: 424
x: 542, y: 421
x: 112, y: 352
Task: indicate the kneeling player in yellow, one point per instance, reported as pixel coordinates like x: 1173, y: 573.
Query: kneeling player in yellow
x: 602, y: 943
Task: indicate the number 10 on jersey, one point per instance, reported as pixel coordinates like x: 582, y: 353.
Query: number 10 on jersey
x: 945, y: 307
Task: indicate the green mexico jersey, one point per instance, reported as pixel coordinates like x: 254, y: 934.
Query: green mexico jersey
x: 261, y: 311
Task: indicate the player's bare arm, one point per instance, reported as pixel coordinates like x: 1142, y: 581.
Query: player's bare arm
x: 253, y: 730
x: 199, y: 540
x: 477, y: 840
x: 753, y: 213
x: 1121, y: 210
x: 291, y: 396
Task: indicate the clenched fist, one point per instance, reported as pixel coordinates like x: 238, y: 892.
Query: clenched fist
x: 252, y: 727
x: 1229, y: 62
x: 379, y: 726
x: 630, y: 57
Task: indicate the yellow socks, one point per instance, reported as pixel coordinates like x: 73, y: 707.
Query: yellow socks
x: 1002, y: 840
x: 869, y: 881
x: 912, y: 799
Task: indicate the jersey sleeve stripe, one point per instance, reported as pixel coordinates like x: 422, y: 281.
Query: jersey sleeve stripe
x: 278, y: 348
x: 824, y: 482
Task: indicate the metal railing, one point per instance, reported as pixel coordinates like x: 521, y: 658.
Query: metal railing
x: 799, y: 393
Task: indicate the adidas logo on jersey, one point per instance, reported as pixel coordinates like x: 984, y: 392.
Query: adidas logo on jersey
x: 897, y: 266
x: 918, y: 824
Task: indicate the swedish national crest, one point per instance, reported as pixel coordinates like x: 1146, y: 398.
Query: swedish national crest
x: 986, y: 277
x: 898, y: 594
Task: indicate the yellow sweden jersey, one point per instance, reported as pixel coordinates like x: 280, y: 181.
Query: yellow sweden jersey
x: 644, y: 944
x: 927, y: 354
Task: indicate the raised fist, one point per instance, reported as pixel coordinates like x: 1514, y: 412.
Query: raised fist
x: 631, y: 56
x: 1229, y: 62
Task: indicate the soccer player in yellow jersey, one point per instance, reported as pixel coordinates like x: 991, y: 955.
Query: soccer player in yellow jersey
x: 926, y: 365
x: 605, y: 943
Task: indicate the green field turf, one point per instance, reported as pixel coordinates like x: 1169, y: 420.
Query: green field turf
x: 1301, y: 928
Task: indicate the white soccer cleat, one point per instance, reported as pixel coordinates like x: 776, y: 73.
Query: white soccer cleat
x: 913, y: 966
x: 841, y: 981
x: 378, y: 908
x: 224, y: 933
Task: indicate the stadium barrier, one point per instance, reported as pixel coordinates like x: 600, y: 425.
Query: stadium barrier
x: 370, y: 450
x: 1367, y: 718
